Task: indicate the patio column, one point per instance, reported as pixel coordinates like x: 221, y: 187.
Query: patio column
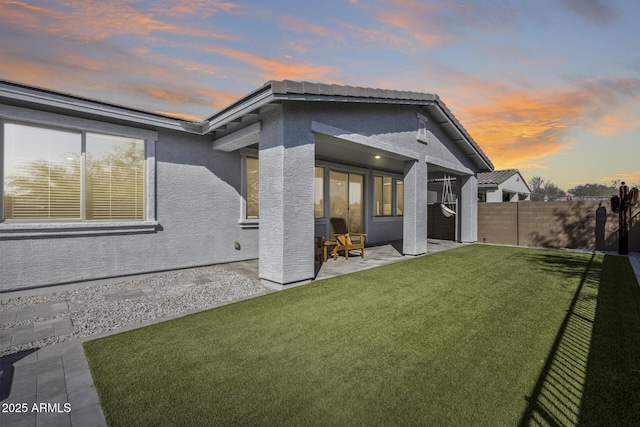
x: 286, y: 161
x: 414, y: 230
x: 467, y: 216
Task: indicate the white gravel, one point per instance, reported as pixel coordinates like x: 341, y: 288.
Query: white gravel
x: 103, y: 308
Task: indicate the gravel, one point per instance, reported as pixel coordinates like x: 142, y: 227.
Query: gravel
x: 101, y: 308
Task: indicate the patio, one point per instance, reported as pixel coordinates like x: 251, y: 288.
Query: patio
x: 374, y: 256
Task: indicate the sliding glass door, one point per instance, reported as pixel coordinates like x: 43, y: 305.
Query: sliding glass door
x: 346, y: 194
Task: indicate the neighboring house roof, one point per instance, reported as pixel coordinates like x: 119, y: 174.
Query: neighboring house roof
x: 305, y: 91
x: 498, y: 177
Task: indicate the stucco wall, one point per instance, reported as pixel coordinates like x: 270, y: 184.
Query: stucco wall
x: 396, y: 125
x: 514, y: 184
x: 197, y: 209
x: 198, y: 199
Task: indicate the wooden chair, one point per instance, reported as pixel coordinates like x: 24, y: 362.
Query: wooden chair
x: 343, y: 240
x: 319, y: 250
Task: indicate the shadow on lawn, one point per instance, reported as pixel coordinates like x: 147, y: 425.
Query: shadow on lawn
x: 592, y: 373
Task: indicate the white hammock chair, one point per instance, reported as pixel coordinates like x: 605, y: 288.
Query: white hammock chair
x: 448, y: 202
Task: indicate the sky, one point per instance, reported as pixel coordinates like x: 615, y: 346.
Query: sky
x: 550, y: 87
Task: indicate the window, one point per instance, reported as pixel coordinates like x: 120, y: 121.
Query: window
x: 383, y: 195
x: 115, y: 178
x: 346, y: 196
x: 252, y: 190
x: 318, y: 192
x: 59, y: 175
x: 399, y: 197
x: 422, y: 129
x: 386, y: 191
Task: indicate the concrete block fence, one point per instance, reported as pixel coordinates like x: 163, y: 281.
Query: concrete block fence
x: 584, y: 224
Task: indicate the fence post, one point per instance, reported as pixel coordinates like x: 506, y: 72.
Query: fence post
x: 623, y: 247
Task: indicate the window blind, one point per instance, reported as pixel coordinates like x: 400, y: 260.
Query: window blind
x: 42, y: 173
x: 114, y: 178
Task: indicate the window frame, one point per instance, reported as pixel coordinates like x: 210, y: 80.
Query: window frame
x: 394, y: 194
x: 244, y: 221
x: 10, y: 228
x: 322, y: 189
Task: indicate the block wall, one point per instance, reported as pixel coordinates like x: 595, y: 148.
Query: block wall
x: 588, y: 225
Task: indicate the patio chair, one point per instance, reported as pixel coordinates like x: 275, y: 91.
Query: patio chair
x: 318, y: 253
x: 343, y: 240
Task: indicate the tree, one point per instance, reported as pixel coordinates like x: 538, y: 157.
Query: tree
x: 536, y: 184
x: 594, y: 190
x: 552, y: 191
x: 542, y: 189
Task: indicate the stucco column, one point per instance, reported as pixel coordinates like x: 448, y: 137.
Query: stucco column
x: 286, y: 160
x: 467, y: 215
x: 414, y: 230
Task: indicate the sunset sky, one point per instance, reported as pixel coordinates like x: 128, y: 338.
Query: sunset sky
x: 551, y: 87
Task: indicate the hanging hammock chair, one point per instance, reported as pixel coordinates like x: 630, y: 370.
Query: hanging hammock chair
x: 448, y: 205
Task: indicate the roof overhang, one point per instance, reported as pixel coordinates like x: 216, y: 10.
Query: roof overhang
x: 233, y: 116
x: 447, y: 121
x: 33, y: 97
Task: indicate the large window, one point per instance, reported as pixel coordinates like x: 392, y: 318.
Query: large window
x: 252, y: 191
x: 59, y: 175
x: 388, y: 196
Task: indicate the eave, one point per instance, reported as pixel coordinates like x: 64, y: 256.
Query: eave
x: 47, y: 100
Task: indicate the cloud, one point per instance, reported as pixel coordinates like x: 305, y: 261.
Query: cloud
x: 375, y: 36
x: 172, y: 94
x: 271, y: 69
x: 202, y: 8
x: 618, y: 121
x: 91, y: 20
x: 426, y: 24
x: 113, y: 73
x: 302, y: 26
x: 518, y: 128
x: 628, y: 178
x: 404, y: 22
x: 594, y: 11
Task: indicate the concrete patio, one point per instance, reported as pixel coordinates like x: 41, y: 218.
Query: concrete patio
x: 374, y: 256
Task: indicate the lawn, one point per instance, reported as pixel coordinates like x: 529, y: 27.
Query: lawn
x: 480, y: 335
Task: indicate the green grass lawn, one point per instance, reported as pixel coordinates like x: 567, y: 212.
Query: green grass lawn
x: 480, y: 335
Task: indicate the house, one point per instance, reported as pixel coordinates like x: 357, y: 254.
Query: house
x: 94, y: 190
x: 502, y: 186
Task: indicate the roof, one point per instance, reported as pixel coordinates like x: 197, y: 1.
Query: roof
x: 307, y: 88
x: 497, y: 177
x: 19, y: 94
x: 321, y: 92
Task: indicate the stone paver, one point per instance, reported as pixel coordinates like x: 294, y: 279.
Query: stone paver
x: 127, y: 293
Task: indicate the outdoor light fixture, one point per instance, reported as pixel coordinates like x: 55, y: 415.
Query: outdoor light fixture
x: 377, y: 157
